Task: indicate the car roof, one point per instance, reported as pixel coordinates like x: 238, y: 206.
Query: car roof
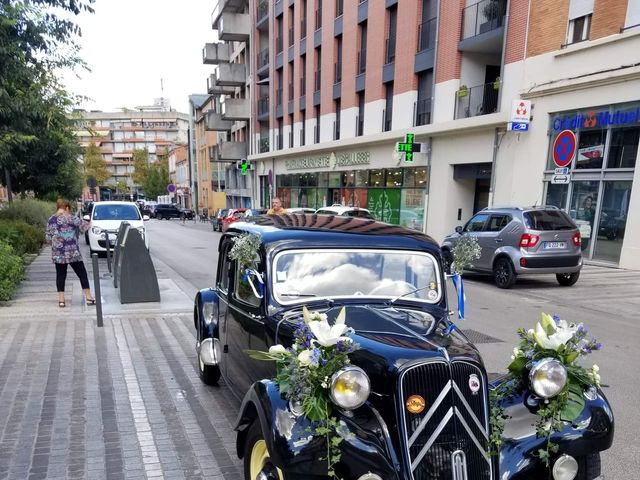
x: 300, y: 229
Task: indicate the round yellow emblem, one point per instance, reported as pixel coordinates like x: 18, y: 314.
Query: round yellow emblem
x: 415, y: 404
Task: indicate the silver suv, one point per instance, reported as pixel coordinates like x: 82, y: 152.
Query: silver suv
x: 519, y: 241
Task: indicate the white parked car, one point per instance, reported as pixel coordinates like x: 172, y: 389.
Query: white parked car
x: 345, y: 211
x: 107, y: 217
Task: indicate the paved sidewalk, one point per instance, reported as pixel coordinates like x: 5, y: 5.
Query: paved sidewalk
x: 119, y: 402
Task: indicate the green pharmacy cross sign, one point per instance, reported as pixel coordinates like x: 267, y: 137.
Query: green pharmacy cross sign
x: 244, y: 166
x: 408, y: 147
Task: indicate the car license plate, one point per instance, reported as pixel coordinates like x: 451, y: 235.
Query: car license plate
x: 550, y: 245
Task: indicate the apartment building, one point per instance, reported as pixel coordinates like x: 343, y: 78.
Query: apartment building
x: 336, y: 84
x: 179, y: 174
x: 118, y: 134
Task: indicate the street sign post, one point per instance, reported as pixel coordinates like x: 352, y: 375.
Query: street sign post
x: 520, y: 127
x: 561, y: 171
x: 560, y: 179
x: 564, y: 148
x: 171, y: 188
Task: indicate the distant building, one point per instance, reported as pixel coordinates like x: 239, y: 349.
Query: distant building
x: 118, y: 134
x: 179, y: 174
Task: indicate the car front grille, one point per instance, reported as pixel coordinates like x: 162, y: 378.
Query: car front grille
x: 449, y: 439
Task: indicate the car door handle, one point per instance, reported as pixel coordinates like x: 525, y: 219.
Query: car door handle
x: 498, y: 240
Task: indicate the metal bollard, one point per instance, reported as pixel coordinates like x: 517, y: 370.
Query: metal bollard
x: 107, y: 244
x: 96, y: 287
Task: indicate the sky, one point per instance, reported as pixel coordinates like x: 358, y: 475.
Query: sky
x: 130, y: 45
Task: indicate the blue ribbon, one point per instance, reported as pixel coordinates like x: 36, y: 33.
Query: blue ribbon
x: 245, y: 278
x: 457, y: 283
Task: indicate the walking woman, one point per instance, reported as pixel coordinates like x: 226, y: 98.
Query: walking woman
x: 63, y: 230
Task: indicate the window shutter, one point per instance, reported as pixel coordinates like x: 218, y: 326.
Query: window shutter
x: 580, y: 8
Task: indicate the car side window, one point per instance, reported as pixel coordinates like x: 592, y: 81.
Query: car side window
x: 224, y: 269
x: 477, y: 223
x: 498, y: 222
x: 243, y: 290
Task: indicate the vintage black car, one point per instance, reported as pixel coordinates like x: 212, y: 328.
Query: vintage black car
x: 392, y: 284
x: 168, y: 211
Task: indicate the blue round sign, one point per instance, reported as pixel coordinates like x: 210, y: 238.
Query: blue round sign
x: 171, y: 188
x: 564, y: 148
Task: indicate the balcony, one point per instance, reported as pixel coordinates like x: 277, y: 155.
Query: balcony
x: 225, y: 6
x: 337, y: 72
x: 234, y: 27
x: 291, y: 36
x: 303, y: 28
x: 336, y: 130
x: 279, y: 45
x: 390, y: 50
x: 427, y: 34
x: 362, y: 61
x: 316, y: 133
x: 231, y: 75
x: 359, y: 126
x: 387, y: 115
x: 215, y: 53
x: 263, y: 145
x: 422, y: 112
x: 262, y: 18
x: 263, y: 108
x: 213, y: 88
x: 263, y: 63
x: 339, y: 7
x: 318, y: 18
x: 318, y: 81
x: 478, y: 100
x: 213, y: 121
x: 231, y: 151
x: 303, y: 86
x: 483, y: 27
x: 236, y: 109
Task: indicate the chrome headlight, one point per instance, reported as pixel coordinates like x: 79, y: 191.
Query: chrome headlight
x: 350, y: 387
x: 207, y: 312
x: 96, y: 230
x: 548, y: 377
x: 565, y: 468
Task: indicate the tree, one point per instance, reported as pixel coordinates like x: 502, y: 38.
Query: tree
x: 157, y: 180
x: 122, y: 187
x: 94, y: 165
x: 140, y: 166
x: 37, y: 39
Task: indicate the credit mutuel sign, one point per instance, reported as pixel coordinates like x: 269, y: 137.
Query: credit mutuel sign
x: 593, y: 119
x: 332, y: 160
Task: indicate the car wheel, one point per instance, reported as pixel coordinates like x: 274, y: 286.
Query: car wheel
x: 159, y: 216
x: 209, y: 374
x: 447, y: 257
x: 257, y: 461
x: 567, y: 279
x: 503, y: 273
x: 183, y: 216
x: 589, y: 467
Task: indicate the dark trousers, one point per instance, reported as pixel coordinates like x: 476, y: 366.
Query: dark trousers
x: 61, y: 274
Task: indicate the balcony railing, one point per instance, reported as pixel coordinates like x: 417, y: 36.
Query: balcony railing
x: 337, y: 72
x: 336, y: 130
x: 302, y: 137
x: 422, y: 112
x: 339, y: 7
x: 318, y: 76
x: 362, y: 61
x: 263, y: 10
x: 279, y: 141
x: 359, y: 126
x: 319, y: 19
x: 278, y: 45
x: 387, y: 114
x: 483, y: 17
x: 478, y: 100
x: 303, y: 28
x: 263, y: 58
x: 390, y: 50
x: 316, y: 133
x: 279, y: 97
x: 290, y: 36
x: 263, y: 105
x: 303, y: 86
x: 291, y: 137
x: 263, y: 145
x: 427, y: 34
x: 291, y: 91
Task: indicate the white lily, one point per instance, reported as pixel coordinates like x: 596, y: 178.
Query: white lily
x: 277, y: 349
x: 327, y: 335
x: 551, y: 336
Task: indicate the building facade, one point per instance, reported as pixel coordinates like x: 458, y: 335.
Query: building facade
x: 119, y: 134
x: 335, y: 85
x: 179, y: 174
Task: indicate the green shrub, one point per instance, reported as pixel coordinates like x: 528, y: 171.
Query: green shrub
x: 11, y: 271
x: 23, y: 237
x: 34, y: 212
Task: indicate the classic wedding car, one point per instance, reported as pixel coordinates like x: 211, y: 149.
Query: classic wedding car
x: 424, y: 412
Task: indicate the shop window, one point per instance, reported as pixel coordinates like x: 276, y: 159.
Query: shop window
x: 376, y: 178
x: 335, y: 179
x: 323, y: 179
x: 415, y: 177
x: 624, y: 147
x: 557, y: 195
x: 590, y: 148
x: 348, y: 179
x: 362, y: 178
x: 394, y: 177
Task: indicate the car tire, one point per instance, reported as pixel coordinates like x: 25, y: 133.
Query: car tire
x: 589, y: 467
x: 567, y: 279
x: 257, y: 461
x: 183, y: 217
x: 503, y: 273
x: 159, y: 216
x: 209, y: 374
x: 447, y: 258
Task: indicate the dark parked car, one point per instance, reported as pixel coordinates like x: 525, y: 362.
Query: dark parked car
x: 169, y: 210
x: 216, y: 221
x: 391, y: 282
x: 522, y: 241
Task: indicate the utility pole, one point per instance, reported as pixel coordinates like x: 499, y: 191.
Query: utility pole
x: 7, y: 177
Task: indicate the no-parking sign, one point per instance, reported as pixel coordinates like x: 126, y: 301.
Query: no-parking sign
x: 564, y: 148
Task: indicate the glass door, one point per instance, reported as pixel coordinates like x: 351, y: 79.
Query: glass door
x: 584, y: 199
x: 612, y: 221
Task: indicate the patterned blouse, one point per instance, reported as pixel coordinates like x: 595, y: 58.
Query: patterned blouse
x: 63, y: 232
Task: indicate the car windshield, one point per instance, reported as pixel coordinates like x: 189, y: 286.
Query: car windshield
x: 115, y: 212
x: 547, y: 220
x: 300, y: 274
x: 358, y: 213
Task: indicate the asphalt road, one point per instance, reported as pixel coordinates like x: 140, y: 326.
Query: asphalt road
x: 606, y: 300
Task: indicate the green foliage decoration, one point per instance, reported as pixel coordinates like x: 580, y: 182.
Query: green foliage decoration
x: 11, y: 271
x: 465, y: 252
x: 22, y: 237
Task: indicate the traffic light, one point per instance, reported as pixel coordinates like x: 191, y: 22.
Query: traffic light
x: 244, y: 166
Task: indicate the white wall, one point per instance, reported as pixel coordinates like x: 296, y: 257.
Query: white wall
x: 444, y: 100
x: 326, y: 127
x: 373, y: 117
x: 403, y: 109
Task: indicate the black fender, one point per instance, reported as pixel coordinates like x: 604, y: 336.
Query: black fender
x: 590, y: 433
x: 296, y: 451
x: 206, y: 295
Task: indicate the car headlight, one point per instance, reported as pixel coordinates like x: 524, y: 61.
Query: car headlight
x: 350, y: 387
x: 96, y: 230
x: 207, y: 312
x: 141, y: 230
x: 548, y: 377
